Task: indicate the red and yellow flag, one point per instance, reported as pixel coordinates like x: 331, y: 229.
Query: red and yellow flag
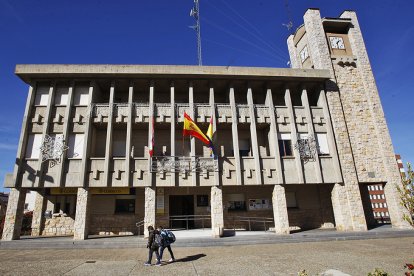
x: 191, y: 129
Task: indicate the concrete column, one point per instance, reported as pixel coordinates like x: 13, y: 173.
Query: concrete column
x: 14, y: 214
x: 149, y: 218
x: 87, y: 138
x: 65, y: 132
x: 38, y: 213
x: 151, y: 125
x: 274, y: 136
x: 330, y: 134
x: 280, y: 210
x: 23, y: 137
x: 192, y: 139
x: 173, y: 122
x: 213, y: 113
x: 253, y: 133
x: 235, y: 134
x: 217, y: 218
x: 109, y: 131
x: 45, y: 131
x: 311, y: 131
x: 294, y: 135
x: 340, y: 208
x: 81, y: 227
x: 128, y: 149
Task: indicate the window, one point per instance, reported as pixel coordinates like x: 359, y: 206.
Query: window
x: 385, y: 205
x: 61, y: 97
x: 372, y: 204
x: 81, y: 96
x: 42, y: 96
x: 370, y: 196
x: 75, y: 145
x: 236, y: 202
x: 57, y: 207
x: 322, y: 141
x: 125, y: 206
x: 381, y: 188
x: 34, y: 142
x: 374, y: 196
x: 291, y: 200
x: 119, y: 148
x: 387, y: 214
x: 380, y: 205
x: 369, y: 188
x: 285, y: 144
x: 244, y: 147
x: 382, y: 214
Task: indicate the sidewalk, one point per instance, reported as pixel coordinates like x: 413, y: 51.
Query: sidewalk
x: 202, y: 238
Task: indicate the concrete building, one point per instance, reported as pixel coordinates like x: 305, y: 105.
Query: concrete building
x: 297, y: 147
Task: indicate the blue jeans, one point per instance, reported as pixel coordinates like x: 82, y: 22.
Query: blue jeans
x: 169, y: 250
x: 150, y: 253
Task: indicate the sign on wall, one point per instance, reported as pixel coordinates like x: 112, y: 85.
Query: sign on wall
x: 63, y: 191
x: 259, y: 204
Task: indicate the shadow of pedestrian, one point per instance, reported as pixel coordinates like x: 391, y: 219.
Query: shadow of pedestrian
x: 190, y: 258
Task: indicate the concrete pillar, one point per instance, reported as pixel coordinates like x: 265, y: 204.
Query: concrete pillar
x: 340, y: 208
x: 109, y: 131
x: 65, y: 132
x: 217, y: 218
x: 280, y: 210
x: 274, y: 136
x: 128, y: 155
x: 38, y: 213
x: 88, y: 135
x: 253, y: 133
x: 311, y: 131
x: 294, y: 136
x: 149, y: 218
x: 213, y: 113
x: 81, y: 227
x: 151, y: 131
x: 46, y: 125
x: 23, y: 137
x: 235, y: 134
x: 192, y: 139
x: 14, y: 214
x: 173, y: 122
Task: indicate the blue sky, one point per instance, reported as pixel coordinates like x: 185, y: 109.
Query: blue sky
x: 234, y: 32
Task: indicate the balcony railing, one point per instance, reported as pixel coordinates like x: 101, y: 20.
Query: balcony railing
x: 161, y: 164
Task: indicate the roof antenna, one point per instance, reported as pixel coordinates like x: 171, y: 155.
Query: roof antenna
x: 195, y: 12
x: 288, y: 25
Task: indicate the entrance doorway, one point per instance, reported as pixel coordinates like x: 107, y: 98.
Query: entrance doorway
x: 180, y: 207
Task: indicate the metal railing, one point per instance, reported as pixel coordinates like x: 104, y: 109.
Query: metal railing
x: 139, y: 224
x: 188, y: 218
x: 253, y: 220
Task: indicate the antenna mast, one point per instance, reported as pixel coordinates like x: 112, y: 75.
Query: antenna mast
x: 195, y: 12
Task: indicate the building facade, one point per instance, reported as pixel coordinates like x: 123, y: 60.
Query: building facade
x: 297, y: 147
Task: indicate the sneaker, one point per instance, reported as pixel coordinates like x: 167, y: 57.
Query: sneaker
x: 147, y: 264
x: 171, y: 260
x: 158, y: 263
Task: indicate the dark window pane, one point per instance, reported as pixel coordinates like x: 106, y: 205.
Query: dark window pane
x: 125, y: 206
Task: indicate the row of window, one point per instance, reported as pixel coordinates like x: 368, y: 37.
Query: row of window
x: 379, y: 205
x: 81, y: 96
x: 377, y: 196
x: 381, y: 214
x: 75, y: 145
x: 375, y: 188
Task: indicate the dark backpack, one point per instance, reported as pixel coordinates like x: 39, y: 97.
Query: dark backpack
x: 159, y: 240
x: 168, y: 236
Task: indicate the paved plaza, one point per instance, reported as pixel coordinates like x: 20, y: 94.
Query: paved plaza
x: 353, y: 256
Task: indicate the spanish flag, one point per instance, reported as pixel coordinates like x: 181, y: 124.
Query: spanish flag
x: 191, y: 129
x: 211, y: 135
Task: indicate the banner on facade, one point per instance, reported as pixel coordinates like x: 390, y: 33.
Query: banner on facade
x: 63, y: 191
x: 111, y: 191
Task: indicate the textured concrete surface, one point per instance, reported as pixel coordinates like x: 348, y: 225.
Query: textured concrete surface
x: 349, y: 257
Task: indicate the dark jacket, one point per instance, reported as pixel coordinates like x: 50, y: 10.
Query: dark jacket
x: 151, y: 240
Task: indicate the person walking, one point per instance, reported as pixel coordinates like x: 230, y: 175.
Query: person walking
x: 166, y: 243
x: 153, y: 246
